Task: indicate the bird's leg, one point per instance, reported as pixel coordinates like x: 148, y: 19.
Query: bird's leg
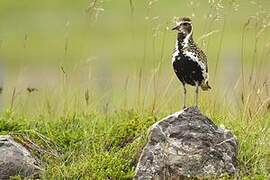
x: 185, y: 95
x: 197, y: 93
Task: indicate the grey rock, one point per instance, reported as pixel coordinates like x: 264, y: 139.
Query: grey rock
x: 187, y: 144
x: 16, y: 160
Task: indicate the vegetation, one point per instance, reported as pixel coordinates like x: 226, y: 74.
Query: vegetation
x: 82, y: 82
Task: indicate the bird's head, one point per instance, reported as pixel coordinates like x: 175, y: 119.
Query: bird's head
x: 183, y: 25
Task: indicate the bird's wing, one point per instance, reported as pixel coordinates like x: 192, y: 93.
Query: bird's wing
x: 202, y: 58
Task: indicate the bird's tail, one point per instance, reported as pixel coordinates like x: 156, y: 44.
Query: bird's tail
x: 205, y: 86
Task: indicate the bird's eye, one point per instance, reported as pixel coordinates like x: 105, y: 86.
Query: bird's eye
x: 185, y: 24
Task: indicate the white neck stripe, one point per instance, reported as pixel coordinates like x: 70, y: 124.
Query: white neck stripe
x: 185, y: 42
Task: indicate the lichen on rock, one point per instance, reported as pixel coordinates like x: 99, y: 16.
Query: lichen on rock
x: 187, y: 144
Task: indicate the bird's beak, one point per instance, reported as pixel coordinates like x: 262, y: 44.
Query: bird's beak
x: 175, y: 28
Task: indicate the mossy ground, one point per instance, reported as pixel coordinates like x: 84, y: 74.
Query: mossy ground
x: 93, y: 146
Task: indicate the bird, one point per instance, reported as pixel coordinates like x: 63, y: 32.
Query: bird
x: 188, y: 60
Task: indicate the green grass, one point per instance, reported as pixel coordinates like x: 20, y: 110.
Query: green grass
x: 103, y: 82
x: 98, y: 147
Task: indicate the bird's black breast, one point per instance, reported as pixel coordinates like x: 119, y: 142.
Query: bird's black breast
x: 187, y: 70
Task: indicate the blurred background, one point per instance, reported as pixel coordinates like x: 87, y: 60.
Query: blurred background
x: 61, y: 56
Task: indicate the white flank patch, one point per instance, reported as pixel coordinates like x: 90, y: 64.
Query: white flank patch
x: 194, y: 58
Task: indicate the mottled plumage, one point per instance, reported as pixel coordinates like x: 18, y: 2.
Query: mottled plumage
x: 189, y: 61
